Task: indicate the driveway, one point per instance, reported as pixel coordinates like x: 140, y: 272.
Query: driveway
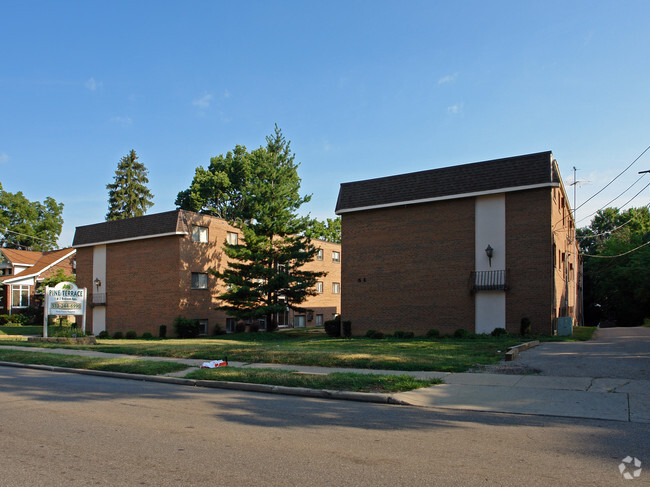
x: 622, y: 353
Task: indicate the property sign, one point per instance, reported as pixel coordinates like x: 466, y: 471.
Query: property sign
x: 64, y: 299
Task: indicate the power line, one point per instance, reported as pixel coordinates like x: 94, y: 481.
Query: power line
x: 624, y: 204
x: 619, y: 255
x: 619, y: 175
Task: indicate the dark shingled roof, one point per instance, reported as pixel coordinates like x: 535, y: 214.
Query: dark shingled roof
x: 131, y: 228
x: 510, y: 172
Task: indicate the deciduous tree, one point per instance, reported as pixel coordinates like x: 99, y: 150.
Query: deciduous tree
x: 617, y: 266
x: 29, y: 225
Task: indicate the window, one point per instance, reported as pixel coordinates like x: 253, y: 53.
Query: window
x: 319, y: 287
x: 230, y: 325
x: 319, y: 320
x: 199, y: 234
x: 336, y: 256
x: 232, y: 238
x: 336, y: 288
x: 319, y: 254
x: 20, y: 296
x: 199, y: 280
x: 203, y: 327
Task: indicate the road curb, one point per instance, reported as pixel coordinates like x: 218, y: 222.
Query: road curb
x: 240, y: 386
x: 513, y: 352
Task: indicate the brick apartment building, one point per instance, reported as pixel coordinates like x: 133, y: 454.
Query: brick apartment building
x: 476, y: 246
x: 143, y: 272
x: 22, y: 270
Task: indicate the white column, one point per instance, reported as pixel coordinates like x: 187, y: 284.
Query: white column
x: 490, y: 229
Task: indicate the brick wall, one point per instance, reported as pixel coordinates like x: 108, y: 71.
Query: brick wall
x: 148, y: 281
x: 142, y: 288
x: 408, y: 268
x: 529, y: 260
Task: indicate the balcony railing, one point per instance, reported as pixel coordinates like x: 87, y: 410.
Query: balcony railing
x: 489, y: 280
x: 98, y: 299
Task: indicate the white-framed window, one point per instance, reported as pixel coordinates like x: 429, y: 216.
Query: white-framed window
x: 319, y: 320
x: 336, y: 256
x: 199, y: 234
x: 232, y: 238
x: 199, y: 280
x: 230, y: 325
x: 319, y: 254
x: 20, y: 296
x: 336, y: 288
x: 319, y: 287
x: 203, y: 327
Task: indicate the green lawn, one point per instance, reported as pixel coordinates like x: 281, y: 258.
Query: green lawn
x: 314, y: 348
x: 129, y: 366
x: 335, y: 381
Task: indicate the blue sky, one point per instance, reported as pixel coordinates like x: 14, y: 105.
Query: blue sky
x: 362, y: 89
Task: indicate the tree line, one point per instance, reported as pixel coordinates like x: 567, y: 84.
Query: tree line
x: 256, y: 191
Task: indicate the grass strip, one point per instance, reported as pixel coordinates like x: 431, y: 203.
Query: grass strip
x: 299, y: 348
x: 129, y: 366
x: 336, y: 381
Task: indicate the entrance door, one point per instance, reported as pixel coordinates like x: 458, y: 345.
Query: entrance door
x: 299, y: 322
x: 99, y: 319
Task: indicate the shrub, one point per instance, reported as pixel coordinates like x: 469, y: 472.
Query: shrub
x: 370, y: 333
x: 131, y: 335
x: 378, y: 335
x: 498, y: 332
x: 253, y: 328
x: 333, y: 327
x: 525, y: 326
x: 346, y: 329
x: 186, y: 328
x: 240, y: 327
x: 461, y: 333
x: 33, y: 315
x: 218, y: 330
x: 118, y: 335
x: 13, y: 320
x: 403, y: 334
x: 433, y: 333
x: 162, y: 331
x: 102, y: 334
x: 68, y: 332
x: 270, y: 326
x: 146, y: 335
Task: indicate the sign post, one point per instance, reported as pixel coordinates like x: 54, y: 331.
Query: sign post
x: 64, y: 299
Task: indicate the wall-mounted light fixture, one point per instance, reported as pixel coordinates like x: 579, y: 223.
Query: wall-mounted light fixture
x: 489, y: 251
x: 97, y: 282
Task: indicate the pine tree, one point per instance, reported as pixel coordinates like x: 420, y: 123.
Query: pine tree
x: 128, y: 195
x: 265, y: 275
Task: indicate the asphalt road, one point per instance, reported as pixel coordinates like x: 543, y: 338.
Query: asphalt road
x: 622, y: 353
x: 70, y: 430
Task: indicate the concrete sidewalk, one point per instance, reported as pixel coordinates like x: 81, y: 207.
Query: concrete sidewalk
x: 579, y: 397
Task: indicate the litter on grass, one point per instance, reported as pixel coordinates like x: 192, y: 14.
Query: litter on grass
x: 215, y: 363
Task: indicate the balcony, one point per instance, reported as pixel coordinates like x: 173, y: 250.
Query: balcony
x: 98, y: 299
x: 488, y: 281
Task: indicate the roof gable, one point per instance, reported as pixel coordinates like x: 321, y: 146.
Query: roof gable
x: 22, y: 257
x: 147, y: 226
x: 44, y: 262
x: 519, y: 172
